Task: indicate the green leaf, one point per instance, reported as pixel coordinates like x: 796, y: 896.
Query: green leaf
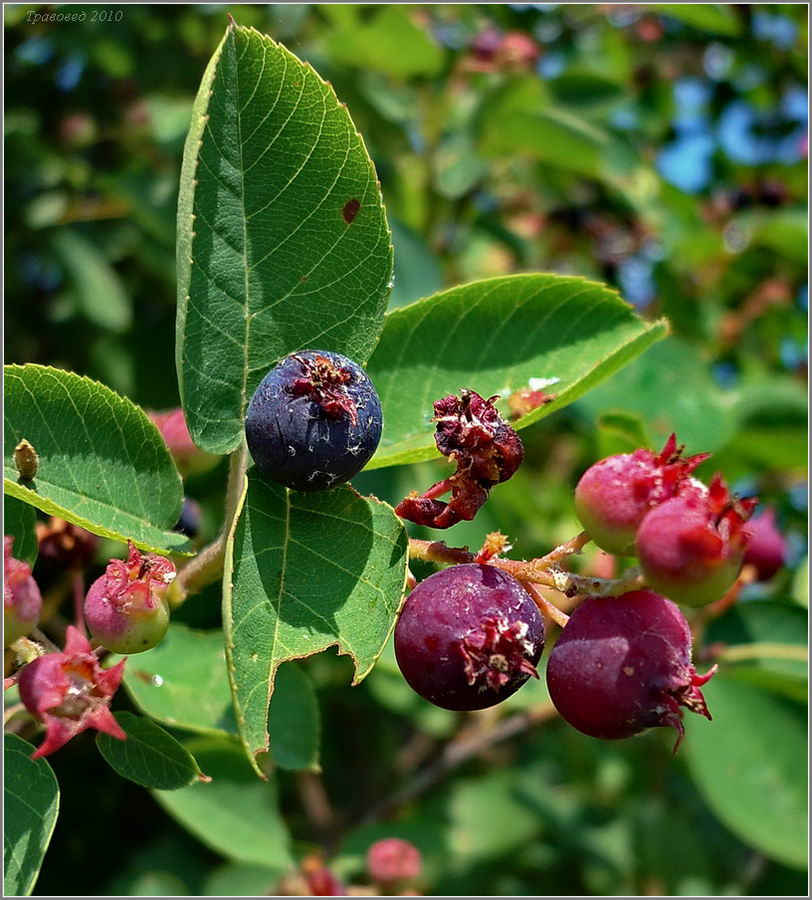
x: 235, y: 814
x: 305, y: 572
x: 388, y: 42
x: 717, y: 18
x: 282, y: 238
x: 620, y: 432
x: 293, y: 720
x: 150, y: 756
x: 242, y: 880
x: 750, y: 764
x: 583, y: 88
x: 97, y: 287
x: 102, y: 463
x: 417, y: 271
x: 31, y: 804
x: 494, y: 336
x: 671, y: 389
x: 183, y: 683
x: 766, y: 640
x: 20, y: 521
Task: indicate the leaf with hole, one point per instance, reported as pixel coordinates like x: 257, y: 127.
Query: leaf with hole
x: 497, y: 336
x: 282, y: 237
x: 102, y: 463
x: 305, y: 571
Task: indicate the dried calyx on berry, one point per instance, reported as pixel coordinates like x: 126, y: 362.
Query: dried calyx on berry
x: 623, y: 665
x: 70, y: 692
x: 691, y: 547
x: 126, y: 609
x: 615, y: 493
x: 470, y: 432
x: 468, y: 637
x: 314, y: 421
x: 22, y: 601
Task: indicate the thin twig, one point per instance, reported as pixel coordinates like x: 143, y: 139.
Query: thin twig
x: 459, y: 751
x: 545, y: 606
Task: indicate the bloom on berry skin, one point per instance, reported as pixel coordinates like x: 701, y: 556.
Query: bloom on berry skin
x: 487, y: 451
x: 70, y: 692
x: 126, y: 609
x: 22, y: 601
x: 392, y: 860
x: 691, y: 547
x: 615, y: 493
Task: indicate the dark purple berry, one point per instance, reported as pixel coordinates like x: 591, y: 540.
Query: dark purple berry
x: 691, y: 547
x: 615, y: 494
x: 190, y: 516
x: 766, y: 546
x: 623, y: 665
x: 314, y: 421
x: 468, y: 637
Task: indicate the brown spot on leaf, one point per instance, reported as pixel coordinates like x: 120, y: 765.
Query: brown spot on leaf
x: 350, y: 210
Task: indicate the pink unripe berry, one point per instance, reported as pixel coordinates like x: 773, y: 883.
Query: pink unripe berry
x: 70, y: 692
x: 189, y: 458
x: 691, y: 547
x: 615, y: 494
x: 622, y: 665
x: 126, y: 609
x: 22, y: 601
x: 393, y: 860
x: 766, y: 546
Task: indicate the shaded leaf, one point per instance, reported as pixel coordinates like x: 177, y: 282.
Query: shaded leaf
x: 183, y: 683
x: 102, y: 463
x: 717, y: 18
x: 305, y: 572
x: 150, y: 756
x: 235, y: 813
x: 31, y: 805
x: 242, y: 880
x: 96, y: 285
x: 671, y: 389
x: 620, y: 432
x: 494, y: 336
x: 20, y: 520
x: 745, y: 762
x: 766, y: 639
x: 282, y: 237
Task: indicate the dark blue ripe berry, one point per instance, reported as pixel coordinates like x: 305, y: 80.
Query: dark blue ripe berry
x: 314, y: 421
x: 468, y: 637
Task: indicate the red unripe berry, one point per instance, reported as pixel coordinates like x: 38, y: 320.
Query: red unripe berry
x: 393, y: 860
x: 766, y: 546
x: 468, y: 637
x: 622, y: 665
x: 691, y: 548
x: 189, y: 458
x: 126, y: 609
x: 615, y: 494
x: 22, y: 601
x: 70, y: 692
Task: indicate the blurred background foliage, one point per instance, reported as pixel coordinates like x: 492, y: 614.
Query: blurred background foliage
x: 659, y: 148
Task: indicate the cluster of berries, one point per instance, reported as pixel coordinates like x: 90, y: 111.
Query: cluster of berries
x: 468, y: 636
